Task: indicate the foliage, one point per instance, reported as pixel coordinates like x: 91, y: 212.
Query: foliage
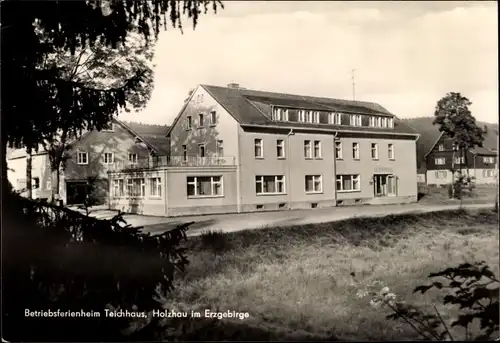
x: 74, y: 262
x: 472, y: 287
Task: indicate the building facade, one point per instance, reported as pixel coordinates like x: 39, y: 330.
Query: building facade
x: 478, y: 163
x: 236, y: 150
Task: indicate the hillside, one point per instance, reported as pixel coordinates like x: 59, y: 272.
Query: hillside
x: 429, y: 134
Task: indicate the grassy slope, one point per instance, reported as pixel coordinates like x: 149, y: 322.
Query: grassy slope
x: 296, y: 282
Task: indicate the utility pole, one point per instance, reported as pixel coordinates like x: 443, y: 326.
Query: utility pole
x: 353, y: 84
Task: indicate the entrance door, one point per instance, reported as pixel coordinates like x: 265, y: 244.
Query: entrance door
x: 75, y: 192
x: 384, y: 185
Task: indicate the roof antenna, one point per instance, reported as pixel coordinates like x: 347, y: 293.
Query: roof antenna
x: 353, y: 84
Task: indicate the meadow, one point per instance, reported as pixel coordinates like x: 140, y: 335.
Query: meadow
x: 302, y: 282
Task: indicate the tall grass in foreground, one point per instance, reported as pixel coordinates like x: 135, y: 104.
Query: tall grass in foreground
x: 299, y: 282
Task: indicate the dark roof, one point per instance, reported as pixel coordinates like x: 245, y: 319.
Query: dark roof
x: 483, y: 151
x: 243, y: 105
x: 429, y: 134
x: 147, y: 129
x: 159, y: 143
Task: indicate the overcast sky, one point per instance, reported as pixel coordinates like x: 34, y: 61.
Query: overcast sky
x: 407, y: 55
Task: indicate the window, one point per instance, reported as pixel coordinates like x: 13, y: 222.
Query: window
x: 108, y: 127
x: 201, y: 150
x: 270, y: 184
x: 355, y: 120
x: 439, y: 161
x: 460, y: 160
x: 201, y: 120
x: 355, y: 151
x: 136, y: 187
x: 314, y: 184
x: 48, y: 184
x: 390, y: 122
x: 372, y: 122
x: 258, y: 148
x: 441, y: 174
x: 118, y: 188
x: 315, y: 117
x: 213, y: 118
x: 199, y: 98
x: 338, y: 150
x: 335, y: 118
x: 302, y: 116
x: 132, y: 158
x: 83, y: 158
x: 155, y: 187
x: 348, y: 183
x: 108, y: 158
x: 307, y: 149
x: 309, y: 116
x: 184, y: 153
x: 280, y: 148
x: 390, y: 151
x: 317, y: 149
x: 220, y: 148
x: 488, y: 173
x: 440, y: 147
x: 189, y: 122
x: 280, y: 114
x: 374, y: 150
x: 199, y: 186
x: 384, y: 122
x: 36, y: 183
x: 379, y: 121
x: 488, y: 159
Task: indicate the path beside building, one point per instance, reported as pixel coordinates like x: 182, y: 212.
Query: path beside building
x: 259, y: 220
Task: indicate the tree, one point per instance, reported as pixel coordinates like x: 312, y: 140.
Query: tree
x: 98, y: 66
x: 455, y: 120
x: 38, y: 96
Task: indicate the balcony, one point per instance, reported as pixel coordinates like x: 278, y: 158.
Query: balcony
x: 173, y: 161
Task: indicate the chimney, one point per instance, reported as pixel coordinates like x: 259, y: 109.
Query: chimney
x: 233, y: 85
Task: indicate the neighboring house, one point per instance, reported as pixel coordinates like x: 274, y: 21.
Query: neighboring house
x: 92, y: 155
x: 239, y: 150
x: 441, y: 159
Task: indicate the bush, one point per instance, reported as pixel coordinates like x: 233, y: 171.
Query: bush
x: 58, y: 259
x: 216, y: 241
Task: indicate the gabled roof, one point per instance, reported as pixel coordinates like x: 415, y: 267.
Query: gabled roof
x: 476, y: 150
x: 243, y: 105
x: 150, y: 130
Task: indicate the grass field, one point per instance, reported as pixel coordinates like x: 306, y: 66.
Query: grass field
x: 297, y: 283
x: 439, y: 195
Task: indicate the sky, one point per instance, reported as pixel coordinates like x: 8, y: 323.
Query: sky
x: 405, y: 55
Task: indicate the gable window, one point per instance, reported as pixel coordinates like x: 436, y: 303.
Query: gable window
x: 188, y: 123
x: 220, y: 148
x: 199, y: 98
x: 441, y: 147
x: 213, y: 118
x: 317, y: 149
x: 355, y: 120
x: 118, y: 188
x: 348, y: 183
x: 460, y: 160
x: 270, y: 184
x: 132, y: 158
x: 136, y: 187
x: 184, y: 153
x: 200, y: 186
x: 280, y: 148
x: 108, y: 127
x: 355, y: 151
x: 108, y: 158
x: 83, y: 157
x: 258, y: 148
x: 155, y: 187
x: 390, y: 151
x: 201, y: 150
x: 313, y: 184
x: 338, y: 150
x: 307, y: 149
x: 439, y: 161
x: 374, y: 150
x: 201, y: 120
x: 280, y: 114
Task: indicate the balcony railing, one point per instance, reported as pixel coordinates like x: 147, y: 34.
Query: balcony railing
x: 173, y: 161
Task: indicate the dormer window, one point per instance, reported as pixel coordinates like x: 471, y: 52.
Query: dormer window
x: 355, y: 120
x: 315, y: 117
x: 280, y: 114
x: 334, y: 118
x: 390, y: 122
x: 440, y: 147
x: 302, y: 116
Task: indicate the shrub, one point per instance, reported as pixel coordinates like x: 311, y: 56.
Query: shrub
x: 58, y: 259
x: 216, y: 241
